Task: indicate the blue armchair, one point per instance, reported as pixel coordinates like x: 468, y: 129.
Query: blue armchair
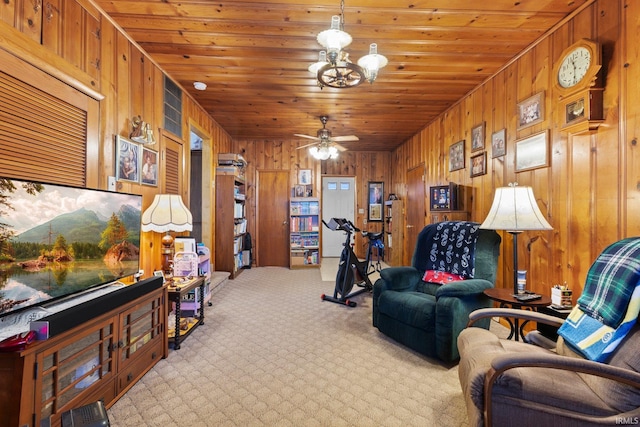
x: 427, y: 316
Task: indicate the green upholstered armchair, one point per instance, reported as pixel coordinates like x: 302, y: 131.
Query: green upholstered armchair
x: 428, y: 317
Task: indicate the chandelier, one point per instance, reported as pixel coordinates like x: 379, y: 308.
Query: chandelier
x: 334, y: 68
x: 324, y: 151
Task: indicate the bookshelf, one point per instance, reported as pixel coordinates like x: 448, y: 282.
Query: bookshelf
x: 304, y: 235
x: 231, y: 223
x: 394, y: 235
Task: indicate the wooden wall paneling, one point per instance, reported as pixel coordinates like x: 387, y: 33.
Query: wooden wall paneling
x: 137, y: 86
x: 73, y: 32
x: 8, y: 12
x: 630, y: 110
x: 52, y: 25
x: 30, y: 19
x: 108, y: 107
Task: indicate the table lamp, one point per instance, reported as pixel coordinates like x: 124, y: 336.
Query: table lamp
x: 515, y: 210
x: 167, y: 213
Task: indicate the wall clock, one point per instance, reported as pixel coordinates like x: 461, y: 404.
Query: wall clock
x: 578, y: 67
x: 579, y: 85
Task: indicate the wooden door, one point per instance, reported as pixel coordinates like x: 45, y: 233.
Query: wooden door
x: 415, y: 211
x: 272, y: 219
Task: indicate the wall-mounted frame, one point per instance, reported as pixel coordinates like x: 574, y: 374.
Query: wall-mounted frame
x: 499, y: 143
x: 532, y: 152
x: 530, y: 111
x: 127, y: 160
x: 478, y: 164
x: 376, y: 195
x: 149, y: 170
x: 477, y: 137
x: 456, y: 156
x: 304, y: 176
x: 443, y: 197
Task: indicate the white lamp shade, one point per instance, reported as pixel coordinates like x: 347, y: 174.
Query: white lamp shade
x: 167, y: 213
x: 515, y: 209
x: 373, y: 61
x: 334, y: 38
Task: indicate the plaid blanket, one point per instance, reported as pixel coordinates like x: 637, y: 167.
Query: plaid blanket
x: 611, y: 280
x: 451, y: 247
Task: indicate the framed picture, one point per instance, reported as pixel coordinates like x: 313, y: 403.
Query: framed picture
x: 532, y: 152
x: 299, y: 191
x: 477, y: 137
x: 443, y: 197
x: 127, y: 160
x: 376, y: 194
x: 531, y: 111
x: 304, y: 177
x: 479, y: 164
x: 149, y: 170
x: 456, y: 156
x: 499, y: 143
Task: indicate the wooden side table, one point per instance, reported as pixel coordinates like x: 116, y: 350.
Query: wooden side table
x: 506, y: 299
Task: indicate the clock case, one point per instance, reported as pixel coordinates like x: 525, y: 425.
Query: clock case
x: 581, y: 105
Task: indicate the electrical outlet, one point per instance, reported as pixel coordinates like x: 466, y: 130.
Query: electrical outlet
x: 111, y: 183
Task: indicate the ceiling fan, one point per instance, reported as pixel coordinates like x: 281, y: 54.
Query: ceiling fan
x: 325, y: 142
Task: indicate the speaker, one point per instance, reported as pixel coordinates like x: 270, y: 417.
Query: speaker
x: 64, y: 320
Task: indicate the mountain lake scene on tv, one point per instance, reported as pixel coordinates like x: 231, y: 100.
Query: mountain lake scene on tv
x: 57, y: 240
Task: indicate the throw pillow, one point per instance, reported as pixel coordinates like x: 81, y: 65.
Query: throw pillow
x: 441, y: 277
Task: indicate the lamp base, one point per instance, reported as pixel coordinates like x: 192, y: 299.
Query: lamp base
x: 167, y: 254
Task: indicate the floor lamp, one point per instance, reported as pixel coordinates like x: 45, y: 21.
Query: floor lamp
x: 515, y: 210
x: 167, y: 213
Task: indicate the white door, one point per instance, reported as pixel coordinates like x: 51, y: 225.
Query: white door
x: 338, y: 201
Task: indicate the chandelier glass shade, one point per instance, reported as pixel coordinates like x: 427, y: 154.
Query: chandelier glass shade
x: 334, y: 68
x: 324, y: 151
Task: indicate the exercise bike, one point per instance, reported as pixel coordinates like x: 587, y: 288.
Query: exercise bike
x: 352, y: 271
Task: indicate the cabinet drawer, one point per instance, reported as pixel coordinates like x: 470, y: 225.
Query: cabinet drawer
x: 143, y: 362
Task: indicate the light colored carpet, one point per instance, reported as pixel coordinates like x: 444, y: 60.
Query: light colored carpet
x: 272, y: 353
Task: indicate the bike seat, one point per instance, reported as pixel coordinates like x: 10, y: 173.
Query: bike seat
x: 375, y: 236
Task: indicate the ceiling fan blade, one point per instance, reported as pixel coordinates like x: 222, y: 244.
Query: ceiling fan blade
x: 307, y: 145
x: 315, y: 138
x: 345, y: 138
x: 339, y: 147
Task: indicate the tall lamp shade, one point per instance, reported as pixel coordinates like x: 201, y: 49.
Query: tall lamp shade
x: 515, y: 210
x: 167, y: 213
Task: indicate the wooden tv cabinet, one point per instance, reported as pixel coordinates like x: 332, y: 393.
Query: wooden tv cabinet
x: 99, y: 359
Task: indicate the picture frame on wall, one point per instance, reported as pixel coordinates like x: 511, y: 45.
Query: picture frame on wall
x: 376, y: 196
x: 477, y: 137
x: 499, y: 143
x: 456, y: 156
x: 127, y: 160
x: 149, y: 170
x: 531, y: 111
x: 532, y: 152
x: 443, y: 197
x: 478, y: 164
x: 304, y: 177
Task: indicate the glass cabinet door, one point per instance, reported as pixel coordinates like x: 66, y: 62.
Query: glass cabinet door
x: 140, y: 326
x: 72, y: 366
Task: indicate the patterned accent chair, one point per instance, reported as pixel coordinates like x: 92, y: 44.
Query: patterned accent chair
x: 410, y: 307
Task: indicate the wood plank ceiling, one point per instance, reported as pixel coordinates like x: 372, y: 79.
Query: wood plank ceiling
x: 253, y: 56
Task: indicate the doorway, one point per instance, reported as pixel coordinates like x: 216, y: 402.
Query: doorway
x: 415, y: 211
x: 338, y: 201
x: 272, y: 219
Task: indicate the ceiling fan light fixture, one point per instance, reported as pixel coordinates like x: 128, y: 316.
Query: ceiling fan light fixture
x: 339, y: 72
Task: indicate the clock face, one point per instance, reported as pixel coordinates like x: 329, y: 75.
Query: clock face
x: 574, y: 67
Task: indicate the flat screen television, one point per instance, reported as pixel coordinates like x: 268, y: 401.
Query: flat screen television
x: 56, y: 241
